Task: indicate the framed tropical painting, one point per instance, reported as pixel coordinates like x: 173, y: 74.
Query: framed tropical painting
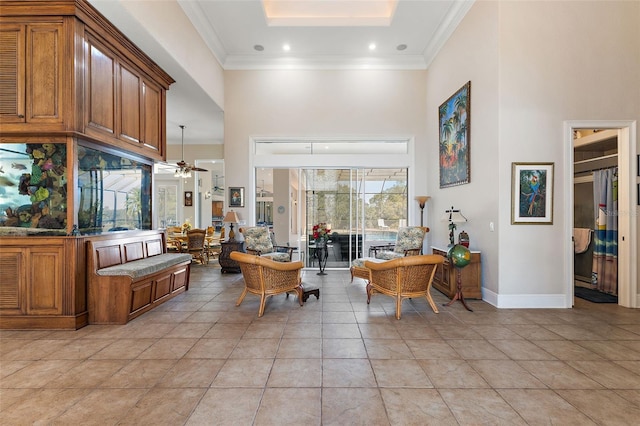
x: 532, y: 193
x: 454, y: 126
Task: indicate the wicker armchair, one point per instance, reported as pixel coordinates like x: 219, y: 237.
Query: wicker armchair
x: 404, y: 277
x: 258, y: 242
x: 195, y: 244
x: 409, y: 242
x: 265, y: 277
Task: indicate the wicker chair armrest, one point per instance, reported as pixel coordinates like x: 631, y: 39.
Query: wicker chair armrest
x: 405, y: 261
x: 265, y: 262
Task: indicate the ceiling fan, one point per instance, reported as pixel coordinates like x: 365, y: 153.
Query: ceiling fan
x: 216, y: 187
x: 184, y: 169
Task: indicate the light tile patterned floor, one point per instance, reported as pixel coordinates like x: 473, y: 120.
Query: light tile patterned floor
x: 199, y: 360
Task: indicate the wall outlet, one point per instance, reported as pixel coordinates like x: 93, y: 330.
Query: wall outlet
x: 491, y: 227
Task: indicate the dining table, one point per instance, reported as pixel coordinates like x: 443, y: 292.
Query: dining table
x: 179, y: 241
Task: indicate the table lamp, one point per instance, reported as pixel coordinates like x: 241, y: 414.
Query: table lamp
x: 452, y: 216
x: 422, y: 200
x: 231, y: 217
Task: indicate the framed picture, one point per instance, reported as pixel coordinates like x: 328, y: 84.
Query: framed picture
x: 531, y: 193
x: 454, y: 127
x: 236, y: 197
x: 188, y: 198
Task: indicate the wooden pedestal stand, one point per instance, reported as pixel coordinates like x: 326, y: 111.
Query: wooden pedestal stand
x: 458, y: 295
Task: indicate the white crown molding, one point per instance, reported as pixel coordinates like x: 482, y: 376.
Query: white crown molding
x: 448, y: 25
x: 197, y: 17
x: 249, y: 62
x: 246, y: 62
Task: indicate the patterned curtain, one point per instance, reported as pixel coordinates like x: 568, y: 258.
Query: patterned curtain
x: 605, y: 254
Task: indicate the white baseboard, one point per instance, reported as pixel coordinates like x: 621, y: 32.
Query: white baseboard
x: 520, y: 301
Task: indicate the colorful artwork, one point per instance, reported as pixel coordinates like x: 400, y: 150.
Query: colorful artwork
x: 454, y: 150
x: 532, y: 197
x: 236, y: 197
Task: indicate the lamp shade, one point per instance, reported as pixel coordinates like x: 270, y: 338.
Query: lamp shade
x: 422, y: 200
x: 231, y: 217
x: 453, y: 216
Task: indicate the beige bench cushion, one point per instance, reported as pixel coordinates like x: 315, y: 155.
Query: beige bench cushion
x: 147, y: 266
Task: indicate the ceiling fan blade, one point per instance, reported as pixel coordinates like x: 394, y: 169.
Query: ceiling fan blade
x: 198, y: 169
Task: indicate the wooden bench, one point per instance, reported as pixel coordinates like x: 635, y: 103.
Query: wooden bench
x: 130, y: 275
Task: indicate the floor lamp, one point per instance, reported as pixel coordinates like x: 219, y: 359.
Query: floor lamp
x: 422, y: 200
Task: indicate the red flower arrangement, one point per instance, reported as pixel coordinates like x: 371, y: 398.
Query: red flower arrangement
x: 320, y: 231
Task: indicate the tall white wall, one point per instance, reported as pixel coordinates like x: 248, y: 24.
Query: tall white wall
x: 321, y: 103
x: 470, y: 54
x: 532, y: 66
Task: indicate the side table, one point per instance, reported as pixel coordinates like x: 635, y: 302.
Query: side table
x: 228, y: 264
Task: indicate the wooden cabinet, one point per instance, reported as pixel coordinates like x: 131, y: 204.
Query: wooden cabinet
x: 65, y: 69
x: 228, y: 264
x: 31, y: 60
x: 446, y: 279
x: 37, y: 283
x: 37, y: 264
x: 121, y: 103
x: 67, y: 74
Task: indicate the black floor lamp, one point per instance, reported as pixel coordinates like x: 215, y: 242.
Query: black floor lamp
x: 422, y: 200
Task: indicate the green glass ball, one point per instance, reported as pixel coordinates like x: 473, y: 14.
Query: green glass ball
x: 459, y: 255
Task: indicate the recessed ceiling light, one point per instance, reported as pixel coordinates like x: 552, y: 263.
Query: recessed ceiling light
x: 259, y: 47
x: 286, y: 47
x: 401, y: 47
x: 372, y: 46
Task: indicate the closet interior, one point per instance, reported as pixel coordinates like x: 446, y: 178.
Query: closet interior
x: 595, y: 219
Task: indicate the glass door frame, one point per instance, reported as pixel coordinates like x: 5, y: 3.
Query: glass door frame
x: 322, y: 161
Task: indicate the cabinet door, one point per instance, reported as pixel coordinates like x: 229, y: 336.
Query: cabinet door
x: 152, y: 116
x: 44, y: 61
x: 12, y: 281
x: 12, y: 73
x: 45, y: 277
x: 129, y: 89
x: 100, y: 101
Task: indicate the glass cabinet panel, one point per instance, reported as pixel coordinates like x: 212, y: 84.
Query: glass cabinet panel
x: 33, y: 188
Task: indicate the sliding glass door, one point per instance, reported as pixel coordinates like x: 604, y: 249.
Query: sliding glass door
x: 361, y: 207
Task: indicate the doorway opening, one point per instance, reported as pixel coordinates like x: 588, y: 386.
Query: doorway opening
x: 625, y: 161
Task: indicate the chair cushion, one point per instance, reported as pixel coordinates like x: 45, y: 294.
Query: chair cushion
x: 257, y: 238
x: 388, y: 255
x: 277, y: 256
x: 359, y: 263
x: 408, y: 238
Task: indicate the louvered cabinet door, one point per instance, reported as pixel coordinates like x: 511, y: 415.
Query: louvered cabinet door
x: 12, y: 75
x: 31, y: 73
x: 12, y: 281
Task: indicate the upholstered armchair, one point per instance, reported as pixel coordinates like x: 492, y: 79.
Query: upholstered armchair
x: 258, y: 242
x: 408, y: 243
x: 403, y: 277
x: 265, y: 277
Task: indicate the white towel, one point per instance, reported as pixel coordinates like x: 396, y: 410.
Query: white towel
x: 581, y: 239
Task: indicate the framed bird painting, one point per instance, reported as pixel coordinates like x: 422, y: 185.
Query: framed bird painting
x: 454, y: 151
x: 532, y: 193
